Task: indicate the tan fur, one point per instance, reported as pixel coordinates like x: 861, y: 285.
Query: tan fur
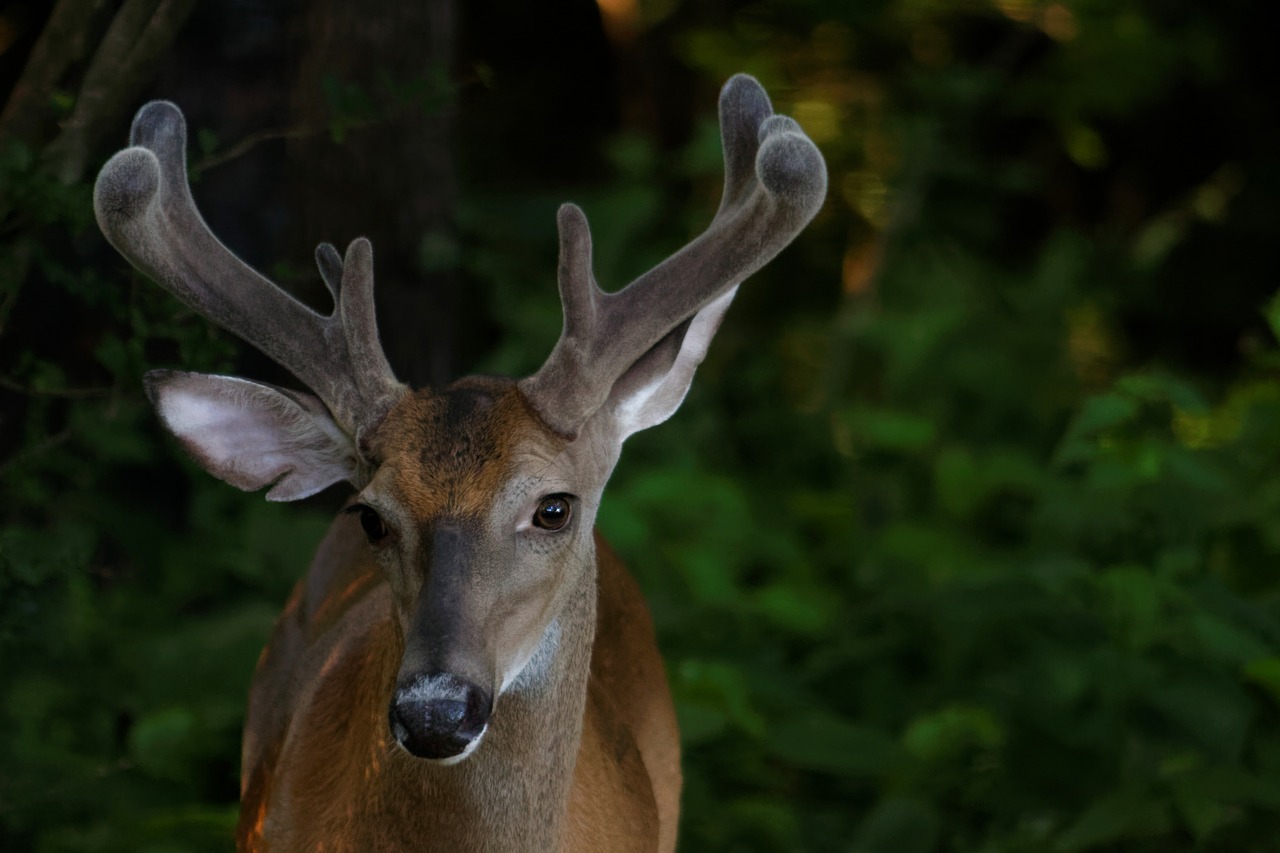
x: 321, y: 771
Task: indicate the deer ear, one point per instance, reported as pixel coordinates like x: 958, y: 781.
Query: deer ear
x: 653, y: 388
x: 253, y: 435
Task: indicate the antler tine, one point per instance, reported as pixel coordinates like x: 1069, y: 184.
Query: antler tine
x: 775, y: 181
x: 329, y: 262
x: 143, y: 205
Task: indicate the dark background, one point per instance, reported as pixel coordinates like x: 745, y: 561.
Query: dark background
x: 966, y: 538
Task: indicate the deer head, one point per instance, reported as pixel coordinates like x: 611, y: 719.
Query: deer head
x: 478, y: 499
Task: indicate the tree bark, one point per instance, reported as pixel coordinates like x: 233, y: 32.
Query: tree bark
x: 63, y: 42
x: 129, y: 54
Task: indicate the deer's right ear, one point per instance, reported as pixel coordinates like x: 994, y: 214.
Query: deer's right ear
x: 253, y: 435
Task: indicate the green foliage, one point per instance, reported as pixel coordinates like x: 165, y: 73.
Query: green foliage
x: 960, y: 543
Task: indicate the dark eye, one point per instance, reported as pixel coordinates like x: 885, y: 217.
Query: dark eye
x: 552, y: 512
x: 374, y: 527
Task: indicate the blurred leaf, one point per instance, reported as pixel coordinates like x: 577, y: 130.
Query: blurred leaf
x: 883, y: 429
x: 945, y: 734
x: 1115, y: 817
x: 831, y: 745
x: 1211, y: 710
x: 1134, y: 601
x: 1265, y: 672
x: 711, y: 696
x: 898, y: 825
x: 33, y: 556
x: 1099, y: 413
x: 161, y: 742
x: 804, y: 608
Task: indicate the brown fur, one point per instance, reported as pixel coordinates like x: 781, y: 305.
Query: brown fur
x: 453, y: 450
x: 321, y: 771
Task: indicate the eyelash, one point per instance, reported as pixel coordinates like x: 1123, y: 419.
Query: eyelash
x: 370, y: 521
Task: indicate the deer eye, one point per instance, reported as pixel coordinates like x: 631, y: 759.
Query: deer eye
x: 374, y: 527
x: 552, y: 513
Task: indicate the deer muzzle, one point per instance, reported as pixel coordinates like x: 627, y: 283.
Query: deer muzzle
x: 444, y: 691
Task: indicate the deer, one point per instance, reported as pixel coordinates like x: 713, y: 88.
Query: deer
x: 466, y: 665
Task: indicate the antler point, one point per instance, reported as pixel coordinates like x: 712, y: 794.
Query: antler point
x: 359, y: 249
x: 126, y: 185
x: 743, y: 95
x: 570, y: 214
x: 156, y: 122
x: 790, y: 165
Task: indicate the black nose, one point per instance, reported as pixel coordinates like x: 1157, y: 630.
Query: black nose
x: 439, y: 716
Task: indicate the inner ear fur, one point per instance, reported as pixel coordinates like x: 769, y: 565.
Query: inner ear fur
x: 654, y: 386
x: 254, y: 435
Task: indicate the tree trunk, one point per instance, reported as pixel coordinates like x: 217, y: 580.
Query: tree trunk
x: 377, y: 76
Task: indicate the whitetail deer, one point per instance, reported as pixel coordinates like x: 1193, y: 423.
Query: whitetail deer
x: 466, y: 666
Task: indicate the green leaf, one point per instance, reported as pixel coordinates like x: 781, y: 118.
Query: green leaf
x: 887, y: 429
x: 1133, y: 600
x: 800, y: 607
x: 1210, y: 709
x: 1099, y: 413
x: 162, y: 741
x: 33, y: 556
x: 1225, y: 641
x: 1265, y: 672
x: 951, y: 731
x: 711, y: 696
x: 828, y: 744
x: 1198, y: 804
x: 958, y: 481
x: 899, y: 825
x: 1114, y: 817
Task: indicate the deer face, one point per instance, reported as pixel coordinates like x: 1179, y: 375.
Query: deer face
x: 482, y: 520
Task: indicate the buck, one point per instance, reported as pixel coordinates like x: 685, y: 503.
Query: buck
x: 466, y: 665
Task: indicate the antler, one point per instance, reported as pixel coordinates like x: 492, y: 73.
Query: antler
x: 775, y: 181
x: 144, y: 207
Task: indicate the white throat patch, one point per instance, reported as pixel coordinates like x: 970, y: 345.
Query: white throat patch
x: 534, y: 669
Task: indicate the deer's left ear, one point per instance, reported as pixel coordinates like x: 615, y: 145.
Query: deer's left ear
x: 253, y: 435
x: 653, y: 388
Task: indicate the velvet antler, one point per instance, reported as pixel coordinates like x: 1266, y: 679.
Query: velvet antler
x: 143, y: 205
x: 775, y: 181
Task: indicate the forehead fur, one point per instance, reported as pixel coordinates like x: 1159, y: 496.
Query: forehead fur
x: 449, y: 452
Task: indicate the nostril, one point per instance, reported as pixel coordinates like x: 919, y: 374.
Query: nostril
x: 439, y: 716
x: 477, y: 708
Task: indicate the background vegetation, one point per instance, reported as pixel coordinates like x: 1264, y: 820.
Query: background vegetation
x: 966, y: 538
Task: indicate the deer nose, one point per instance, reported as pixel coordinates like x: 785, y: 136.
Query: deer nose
x: 439, y: 716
